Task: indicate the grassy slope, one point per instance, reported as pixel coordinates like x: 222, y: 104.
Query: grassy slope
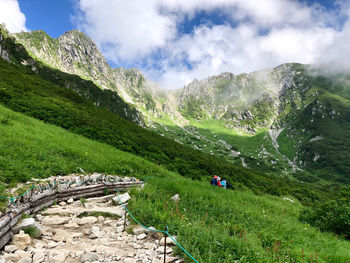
x: 30, y: 94
x: 333, y: 164
x: 211, y: 223
x: 217, y: 225
x: 34, y: 149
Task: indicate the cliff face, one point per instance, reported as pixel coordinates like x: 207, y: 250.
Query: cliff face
x: 76, y: 53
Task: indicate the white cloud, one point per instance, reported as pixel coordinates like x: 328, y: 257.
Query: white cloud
x: 11, y: 15
x: 129, y: 28
x: 257, y: 34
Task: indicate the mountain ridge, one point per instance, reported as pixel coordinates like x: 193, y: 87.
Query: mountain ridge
x: 217, y: 113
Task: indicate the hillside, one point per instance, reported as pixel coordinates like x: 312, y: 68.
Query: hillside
x: 27, y: 92
x: 51, y: 123
x: 237, y: 117
x: 33, y: 149
x: 209, y: 222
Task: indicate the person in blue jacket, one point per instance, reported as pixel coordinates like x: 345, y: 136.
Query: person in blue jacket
x: 214, y: 180
x: 223, y: 183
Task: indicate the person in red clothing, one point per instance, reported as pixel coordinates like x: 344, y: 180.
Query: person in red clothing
x: 219, y: 183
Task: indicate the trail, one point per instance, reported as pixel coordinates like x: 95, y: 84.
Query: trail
x: 67, y: 238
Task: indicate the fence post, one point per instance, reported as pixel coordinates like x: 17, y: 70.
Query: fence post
x: 125, y: 219
x: 165, y: 236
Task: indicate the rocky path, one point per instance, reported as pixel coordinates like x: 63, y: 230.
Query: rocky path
x: 67, y: 236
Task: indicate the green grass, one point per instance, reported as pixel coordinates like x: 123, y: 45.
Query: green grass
x: 34, y: 149
x: 333, y: 164
x: 30, y: 94
x: 217, y: 225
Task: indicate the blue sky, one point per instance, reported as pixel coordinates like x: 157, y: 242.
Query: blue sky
x: 52, y: 16
x: 175, y: 41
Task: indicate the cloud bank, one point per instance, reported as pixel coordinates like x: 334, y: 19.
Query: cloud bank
x: 11, y: 15
x: 251, y: 35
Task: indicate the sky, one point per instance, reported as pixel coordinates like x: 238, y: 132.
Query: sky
x: 176, y: 41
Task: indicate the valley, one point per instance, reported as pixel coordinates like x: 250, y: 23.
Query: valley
x: 280, y: 136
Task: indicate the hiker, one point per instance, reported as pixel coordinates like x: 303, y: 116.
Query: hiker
x: 214, y: 180
x: 219, y: 181
x: 223, y: 183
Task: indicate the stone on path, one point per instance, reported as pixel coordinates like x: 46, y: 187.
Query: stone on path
x: 39, y: 257
x: 88, y: 257
x: 58, y: 256
x: 10, y: 248
x: 51, y: 221
x: 21, y: 240
x: 28, y: 223
x: 89, y: 220
x: 123, y: 198
x: 95, y: 232
x: 141, y: 236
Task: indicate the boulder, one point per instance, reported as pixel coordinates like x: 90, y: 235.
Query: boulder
x: 88, y: 257
x: 25, y: 260
x: 39, y: 256
x: 168, y: 259
x: 89, y: 220
x: 27, y: 223
x: 60, y: 235
x: 10, y: 248
x: 169, y: 241
x: 51, y: 221
x: 123, y: 198
x: 51, y: 244
x: 21, y: 240
x: 58, y: 256
x: 95, y: 232
x: 139, y: 230
x: 71, y: 225
x: 175, y: 198
x: 23, y: 224
x: 160, y: 250
x: 141, y: 236
x: 130, y: 260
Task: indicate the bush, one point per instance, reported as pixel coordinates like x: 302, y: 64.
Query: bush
x: 331, y: 216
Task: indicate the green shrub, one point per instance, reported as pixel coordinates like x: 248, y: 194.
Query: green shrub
x: 331, y: 216
x: 83, y: 201
x: 33, y: 232
x: 106, y: 191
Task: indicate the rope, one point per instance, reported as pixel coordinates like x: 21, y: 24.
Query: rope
x: 155, y: 230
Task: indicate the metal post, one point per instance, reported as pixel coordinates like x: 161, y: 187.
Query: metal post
x: 165, y: 236
x: 124, y: 220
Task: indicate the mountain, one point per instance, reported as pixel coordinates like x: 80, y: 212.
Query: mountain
x: 76, y: 53
x: 54, y: 123
x: 291, y: 120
